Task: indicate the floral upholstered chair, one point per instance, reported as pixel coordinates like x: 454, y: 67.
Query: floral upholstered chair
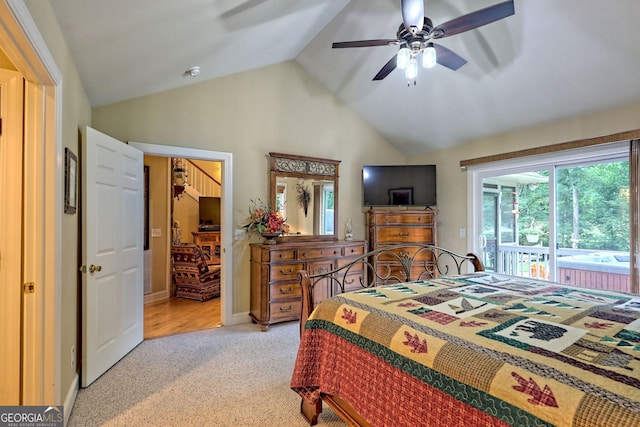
x: 194, y: 279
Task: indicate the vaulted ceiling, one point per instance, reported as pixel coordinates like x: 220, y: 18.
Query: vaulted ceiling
x: 553, y: 59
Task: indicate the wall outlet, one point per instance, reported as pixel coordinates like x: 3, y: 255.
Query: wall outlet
x: 463, y: 232
x: 73, y: 356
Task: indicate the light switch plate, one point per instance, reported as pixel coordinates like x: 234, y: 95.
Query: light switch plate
x: 156, y: 232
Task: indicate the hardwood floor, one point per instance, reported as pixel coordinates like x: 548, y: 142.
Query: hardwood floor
x: 178, y: 315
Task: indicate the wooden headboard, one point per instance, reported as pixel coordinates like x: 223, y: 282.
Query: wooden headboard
x: 390, y: 264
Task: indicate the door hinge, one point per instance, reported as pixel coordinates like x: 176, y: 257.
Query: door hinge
x: 29, y: 287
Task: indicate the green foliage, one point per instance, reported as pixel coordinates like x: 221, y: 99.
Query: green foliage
x: 592, y: 200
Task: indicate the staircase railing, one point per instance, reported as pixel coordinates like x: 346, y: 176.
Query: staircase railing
x: 200, y: 181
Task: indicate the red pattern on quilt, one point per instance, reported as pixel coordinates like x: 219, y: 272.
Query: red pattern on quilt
x: 598, y: 325
x: 472, y: 324
x: 384, y: 396
x: 539, y: 396
x: 350, y: 316
x: 413, y: 341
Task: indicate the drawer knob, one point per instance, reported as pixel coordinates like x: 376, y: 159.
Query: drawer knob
x: 304, y: 254
x: 404, y: 234
x: 286, y: 291
x: 285, y: 309
x: 280, y: 255
x: 291, y: 270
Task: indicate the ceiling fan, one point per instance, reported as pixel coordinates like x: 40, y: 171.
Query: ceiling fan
x: 416, y: 32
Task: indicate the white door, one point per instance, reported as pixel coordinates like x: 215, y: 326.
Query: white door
x: 112, y: 286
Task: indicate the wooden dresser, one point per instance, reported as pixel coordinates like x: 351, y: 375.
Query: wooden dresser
x: 275, y: 292
x: 387, y: 227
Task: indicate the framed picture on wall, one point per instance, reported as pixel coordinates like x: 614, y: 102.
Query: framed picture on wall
x: 70, y: 182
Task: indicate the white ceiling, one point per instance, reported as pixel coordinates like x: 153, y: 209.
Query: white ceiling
x: 553, y: 59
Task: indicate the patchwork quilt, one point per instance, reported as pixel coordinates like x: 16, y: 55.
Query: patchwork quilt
x: 480, y: 349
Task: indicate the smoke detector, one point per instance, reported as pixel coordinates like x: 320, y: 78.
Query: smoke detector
x: 193, y: 71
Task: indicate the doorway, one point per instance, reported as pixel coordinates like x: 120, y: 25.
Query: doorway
x: 226, y: 261
x: 185, y: 193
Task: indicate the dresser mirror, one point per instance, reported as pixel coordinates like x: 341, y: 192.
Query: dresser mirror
x: 305, y: 190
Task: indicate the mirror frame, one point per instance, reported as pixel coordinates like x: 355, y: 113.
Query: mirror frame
x: 291, y: 165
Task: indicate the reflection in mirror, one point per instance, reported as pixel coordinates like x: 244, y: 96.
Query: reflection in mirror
x: 305, y: 191
x: 307, y: 204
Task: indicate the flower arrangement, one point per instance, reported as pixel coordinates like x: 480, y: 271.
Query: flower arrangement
x: 263, y: 219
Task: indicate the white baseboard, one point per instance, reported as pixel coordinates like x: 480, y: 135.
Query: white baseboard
x: 239, y: 318
x: 70, y: 398
x: 156, y: 296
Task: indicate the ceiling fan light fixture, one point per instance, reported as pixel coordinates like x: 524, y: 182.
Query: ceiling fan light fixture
x: 411, y: 71
x: 403, y: 58
x: 429, y: 58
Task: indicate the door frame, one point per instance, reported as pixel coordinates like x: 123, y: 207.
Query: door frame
x: 226, y: 252
x: 42, y: 223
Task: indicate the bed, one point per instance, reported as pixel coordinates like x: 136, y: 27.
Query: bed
x: 448, y: 345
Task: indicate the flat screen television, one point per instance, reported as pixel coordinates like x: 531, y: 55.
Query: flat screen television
x: 399, y: 185
x: 209, y: 214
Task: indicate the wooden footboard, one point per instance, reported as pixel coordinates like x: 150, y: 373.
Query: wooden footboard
x: 417, y: 262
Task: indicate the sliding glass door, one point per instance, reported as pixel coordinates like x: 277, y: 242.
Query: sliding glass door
x: 592, y: 225
x: 558, y: 218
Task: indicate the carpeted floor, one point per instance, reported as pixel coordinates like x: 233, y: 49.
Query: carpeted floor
x: 229, y: 376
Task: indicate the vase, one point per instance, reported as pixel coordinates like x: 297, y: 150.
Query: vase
x: 270, y: 238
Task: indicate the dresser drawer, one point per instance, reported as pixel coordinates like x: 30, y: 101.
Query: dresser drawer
x: 353, y: 251
x: 418, y: 272
x: 284, y: 290
x: 285, y: 309
x: 404, y: 234
x: 284, y: 271
x: 283, y: 255
x: 401, y: 218
x: 354, y: 268
x: 352, y: 282
x: 423, y: 255
x: 315, y: 253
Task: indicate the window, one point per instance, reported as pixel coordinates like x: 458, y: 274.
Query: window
x: 326, y: 210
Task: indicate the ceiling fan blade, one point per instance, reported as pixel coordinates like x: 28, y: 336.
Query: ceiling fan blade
x: 448, y: 58
x: 413, y: 14
x: 388, y: 68
x: 365, y: 43
x: 474, y: 20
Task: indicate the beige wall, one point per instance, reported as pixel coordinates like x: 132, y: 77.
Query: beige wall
x: 187, y: 212
x: 76, y: 113
x: 452, y: 189
x: 159, y: 219
x: 278, y: 108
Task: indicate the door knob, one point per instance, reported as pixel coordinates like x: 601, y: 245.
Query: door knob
x: 94, y: 268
